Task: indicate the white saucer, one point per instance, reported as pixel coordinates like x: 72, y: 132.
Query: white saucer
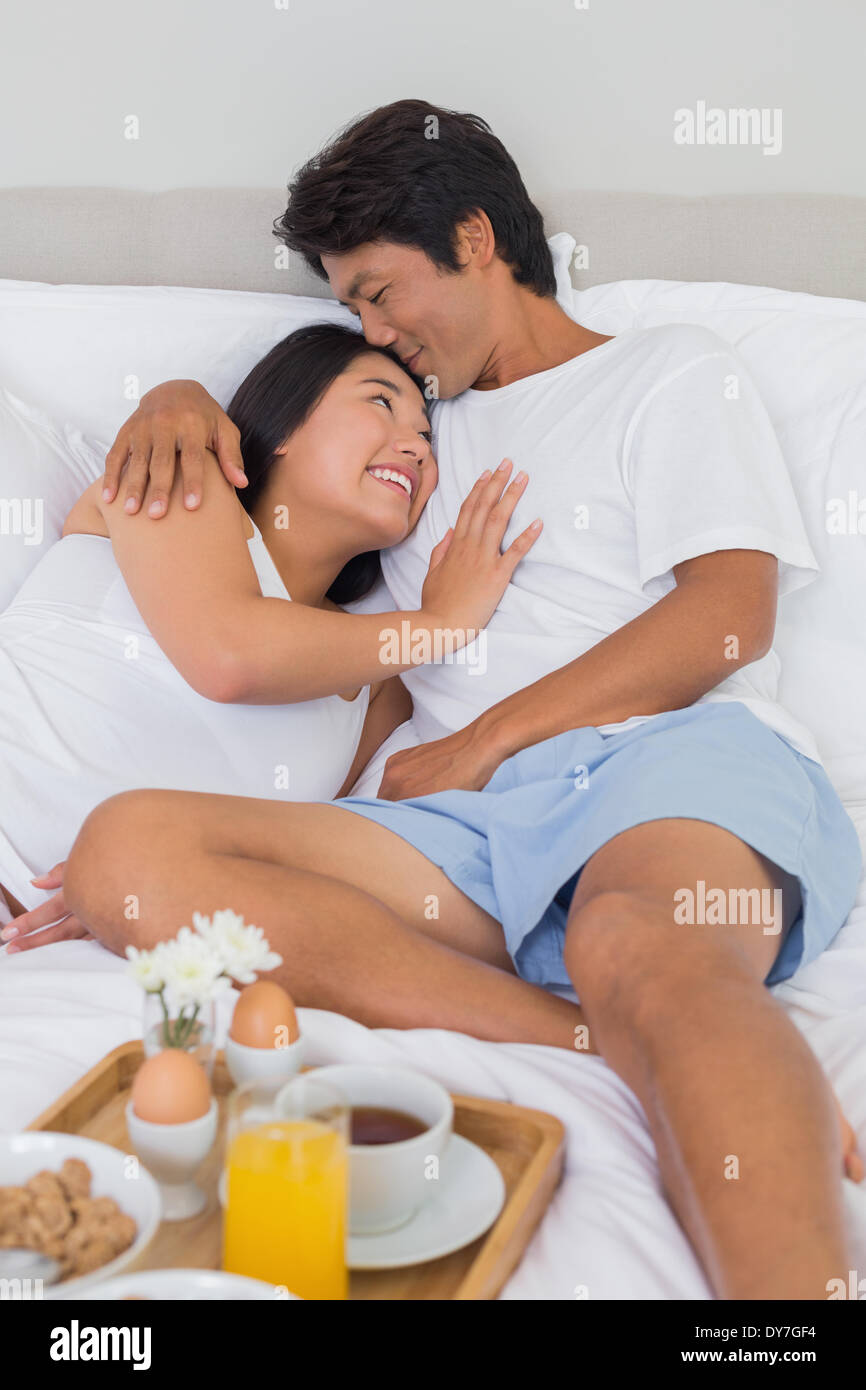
x: 470, y: 1196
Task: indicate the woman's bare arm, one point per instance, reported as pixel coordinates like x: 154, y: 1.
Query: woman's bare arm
x: 194, y: 583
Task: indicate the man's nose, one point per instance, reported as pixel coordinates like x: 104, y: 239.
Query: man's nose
x: 376, y: 330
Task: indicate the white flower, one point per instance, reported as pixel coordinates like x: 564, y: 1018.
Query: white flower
x: 145, y: 968
x: 192, y: 970
x: 243, y: 949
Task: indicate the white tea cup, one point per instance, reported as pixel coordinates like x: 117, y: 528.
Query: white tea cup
x: 389, y: 1182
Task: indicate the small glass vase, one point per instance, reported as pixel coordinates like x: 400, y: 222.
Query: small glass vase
x: 191, y: 1030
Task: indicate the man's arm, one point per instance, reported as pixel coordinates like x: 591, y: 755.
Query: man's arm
x: 177, y: 420
x: 720, y: 616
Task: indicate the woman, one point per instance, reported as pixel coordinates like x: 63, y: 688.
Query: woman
x: 137, y: 655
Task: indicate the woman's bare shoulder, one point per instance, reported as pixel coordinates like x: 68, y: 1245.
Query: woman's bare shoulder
x: 249, y: 529
x: 87, y: 518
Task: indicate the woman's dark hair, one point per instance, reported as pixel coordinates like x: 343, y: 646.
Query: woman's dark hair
x: 277, y: 397
x: 408, y: 173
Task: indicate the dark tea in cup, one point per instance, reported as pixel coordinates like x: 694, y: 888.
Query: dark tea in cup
x: 375, y: 1124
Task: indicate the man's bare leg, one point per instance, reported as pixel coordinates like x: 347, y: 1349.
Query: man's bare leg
x: 344, y: 901
x: 742, y: 1116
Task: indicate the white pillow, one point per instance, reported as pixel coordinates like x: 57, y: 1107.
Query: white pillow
x: 87, y: 353
x: 807, y: 355
x: 43, y: 469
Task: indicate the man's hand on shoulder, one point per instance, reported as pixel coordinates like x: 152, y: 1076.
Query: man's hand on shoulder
x: 176, y: 421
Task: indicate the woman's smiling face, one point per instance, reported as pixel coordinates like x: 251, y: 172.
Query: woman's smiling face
x: 371, y: 421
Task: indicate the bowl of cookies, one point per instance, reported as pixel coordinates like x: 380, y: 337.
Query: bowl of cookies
x: 86, y: 1205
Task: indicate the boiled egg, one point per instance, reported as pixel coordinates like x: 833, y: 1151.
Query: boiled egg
x: 264, y: 1016
x: 170, y: 1088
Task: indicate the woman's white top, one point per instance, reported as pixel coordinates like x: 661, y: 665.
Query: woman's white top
x: 91, y: 706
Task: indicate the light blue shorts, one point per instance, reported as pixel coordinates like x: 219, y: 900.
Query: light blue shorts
x: 517, y: 847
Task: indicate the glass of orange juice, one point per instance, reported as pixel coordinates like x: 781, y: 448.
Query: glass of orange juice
x: 287, y: 1177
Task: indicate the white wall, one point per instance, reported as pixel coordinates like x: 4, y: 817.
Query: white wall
x: 238, y: 92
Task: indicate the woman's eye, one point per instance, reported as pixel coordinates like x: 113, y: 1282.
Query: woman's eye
x: 376, y: 297
x: 380, y: 396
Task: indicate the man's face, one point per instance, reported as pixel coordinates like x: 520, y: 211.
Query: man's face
x: 434, y: 319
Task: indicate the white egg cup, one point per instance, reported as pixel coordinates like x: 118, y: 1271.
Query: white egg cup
x: 263, y: 1063
x: 173, y: 1154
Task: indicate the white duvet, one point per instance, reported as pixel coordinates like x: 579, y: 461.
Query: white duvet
x: 608, y: 1232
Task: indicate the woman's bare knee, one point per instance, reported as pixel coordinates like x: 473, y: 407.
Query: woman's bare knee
x: 108, y: 856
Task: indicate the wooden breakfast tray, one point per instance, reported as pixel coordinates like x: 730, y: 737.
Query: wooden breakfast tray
x: 527, y: 1145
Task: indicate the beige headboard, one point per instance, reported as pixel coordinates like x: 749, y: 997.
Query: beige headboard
x: 222, y: 238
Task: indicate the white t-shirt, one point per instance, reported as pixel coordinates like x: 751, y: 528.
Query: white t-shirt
x: 643, y: 452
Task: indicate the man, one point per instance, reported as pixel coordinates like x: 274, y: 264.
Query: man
x: 622, y: 755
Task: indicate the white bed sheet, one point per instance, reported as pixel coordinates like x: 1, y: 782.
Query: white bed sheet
x: 608, y: 1231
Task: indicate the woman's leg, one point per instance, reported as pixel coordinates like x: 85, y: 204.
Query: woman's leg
x: 365, y: 923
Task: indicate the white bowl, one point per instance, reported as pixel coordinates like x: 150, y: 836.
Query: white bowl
x: 263, y: 1063
x: 23, y: 1155
x: 183, y: 1284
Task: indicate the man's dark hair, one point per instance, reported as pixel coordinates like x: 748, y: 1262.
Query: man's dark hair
x: 408, y: 173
